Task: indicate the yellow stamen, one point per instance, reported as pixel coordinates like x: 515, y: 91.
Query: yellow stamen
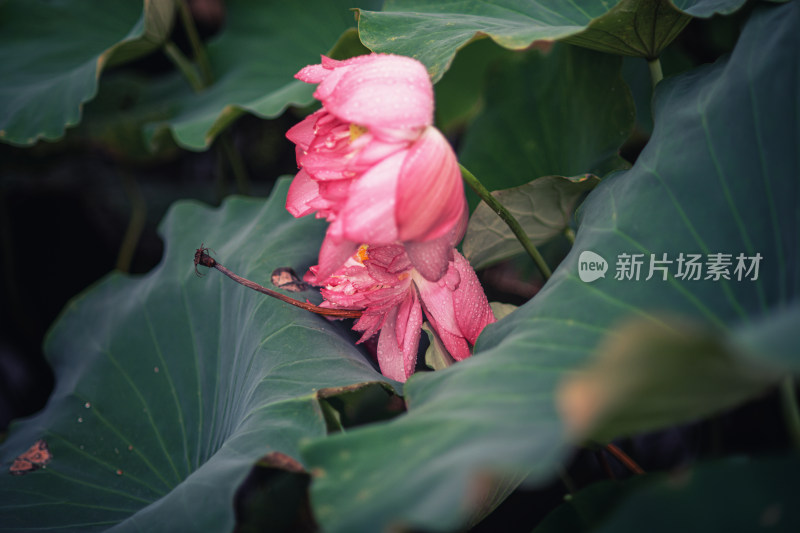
x: 362, y: 254
x: 356, y: 131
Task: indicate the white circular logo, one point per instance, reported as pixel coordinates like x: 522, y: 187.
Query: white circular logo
x: 591, y: 266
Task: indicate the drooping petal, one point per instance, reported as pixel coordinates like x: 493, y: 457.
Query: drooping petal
x: 437, y: 299
x: 432, y: 258
x: 391, y: 258
x: 455, y: 345
x: 332, y: 254
x: 381, y: 92
x: 370, y: 324
x: 473, y: 312
x: 302, y: 193
x: 404, y: 312
x: 430, y: 193
x: 396, y: 360
x: 368, y: 215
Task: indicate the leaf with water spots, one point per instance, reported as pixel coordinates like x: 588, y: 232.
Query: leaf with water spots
x: 170, y: 386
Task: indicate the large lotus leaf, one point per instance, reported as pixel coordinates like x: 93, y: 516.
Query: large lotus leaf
x: 733, y: 494
x: 52, y: 53
x: 254, y: 60
x: 564, y: 113
x: 719, y: 175
x: 170, y: 387
x: 433, y: 31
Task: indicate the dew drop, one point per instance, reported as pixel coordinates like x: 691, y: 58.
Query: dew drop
x: 130, y: 447
x: 116, y: 450
x: 81, y: 446
x: 119, y: 472
x: 80, y: 420
x: 155, y: 369
x: 87, y: 405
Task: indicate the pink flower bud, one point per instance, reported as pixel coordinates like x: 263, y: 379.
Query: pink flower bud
x: 372, y: 164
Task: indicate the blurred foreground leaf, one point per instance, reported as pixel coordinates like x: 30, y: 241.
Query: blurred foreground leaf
x: 647, y: 377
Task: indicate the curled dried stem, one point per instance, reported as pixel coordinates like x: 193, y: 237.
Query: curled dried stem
x: 202, y: 258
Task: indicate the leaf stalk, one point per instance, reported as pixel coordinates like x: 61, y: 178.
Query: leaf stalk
x: 656, y: 74
x: 184, y: 65
x: 509, y: 219
x: 198, y: 50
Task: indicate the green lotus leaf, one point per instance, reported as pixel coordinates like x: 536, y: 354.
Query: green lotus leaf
x: 52, y: 54
x: 170, y: 387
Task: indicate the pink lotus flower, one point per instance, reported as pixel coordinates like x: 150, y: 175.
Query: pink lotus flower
x: 373, y: 166
x: 382, y: 281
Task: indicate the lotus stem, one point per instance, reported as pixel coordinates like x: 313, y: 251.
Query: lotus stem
x: 656, y: 75
x: 509, y: 219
